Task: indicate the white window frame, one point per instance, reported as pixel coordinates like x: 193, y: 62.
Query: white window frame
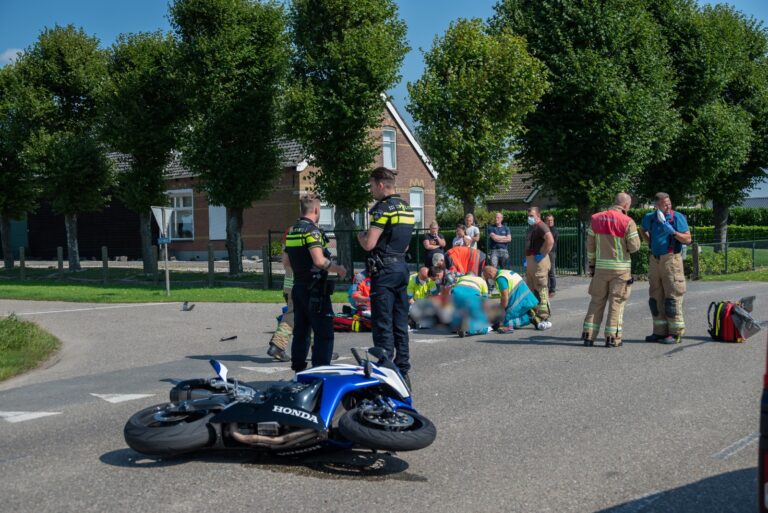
x: 360, y: 218
x: 173, y: 195
x: 391, y: 145
x: 418, y: 219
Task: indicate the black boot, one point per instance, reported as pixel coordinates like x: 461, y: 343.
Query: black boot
x: 588, y: 342
x: 278, y: 354
x: 612, y: 342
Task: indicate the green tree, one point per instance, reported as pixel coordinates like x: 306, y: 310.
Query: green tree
x: 68, y: 67
x: 470, y: 103
x: 719, y: 56
x: 347, y: 53
x: 142, y: 110
x: 233, y: 55
x: 21, y: 110
x: 608, y: 114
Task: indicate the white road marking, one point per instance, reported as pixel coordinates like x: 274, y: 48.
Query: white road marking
x: 91, y: 308
x: 21, y: 416
x: 736, y: 447
x: 639, y: 504
x: 121, y: 398
x: 267, y: 370
x: 429, y: 340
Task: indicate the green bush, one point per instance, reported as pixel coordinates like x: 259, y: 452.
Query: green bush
x: 640, y: 260
x: 706, y: 234
x: 711, y: 262
x: 275, y: 248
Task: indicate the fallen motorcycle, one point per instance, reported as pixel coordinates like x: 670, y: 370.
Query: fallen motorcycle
x: 368, y: 405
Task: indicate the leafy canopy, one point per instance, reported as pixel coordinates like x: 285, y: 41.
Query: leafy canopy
x: 471, y: 102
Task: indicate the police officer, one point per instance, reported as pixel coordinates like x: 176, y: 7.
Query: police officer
x: 611, y: 237
x: 666, y: 231
x: 387, y: 239
x: 306, y: 246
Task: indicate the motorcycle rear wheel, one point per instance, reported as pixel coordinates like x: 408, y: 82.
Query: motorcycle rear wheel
x: 158, y: 432
x: 417, y: 431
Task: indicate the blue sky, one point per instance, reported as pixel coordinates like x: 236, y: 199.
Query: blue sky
x: 22, y: 20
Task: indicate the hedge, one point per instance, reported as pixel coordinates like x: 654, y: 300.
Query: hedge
x: 706, y: 234
x: 696, y: 216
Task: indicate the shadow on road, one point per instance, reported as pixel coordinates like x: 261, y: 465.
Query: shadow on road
x: 232, y: 358
x: 321, y: 464
x: 536, y: 340
x: 732, y: 492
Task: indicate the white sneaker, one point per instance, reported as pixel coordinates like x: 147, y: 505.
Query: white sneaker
x: 544, y: 325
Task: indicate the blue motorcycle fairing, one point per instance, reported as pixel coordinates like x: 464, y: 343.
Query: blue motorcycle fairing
x: 286, y: 413
x: 334, y: 389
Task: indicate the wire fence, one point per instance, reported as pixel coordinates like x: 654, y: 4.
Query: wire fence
x: 709, y: 259
x: 569, y: 259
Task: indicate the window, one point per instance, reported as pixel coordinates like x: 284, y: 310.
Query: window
x: 183, y: 222
x: 328, y: 220
x: 389, y: 147
x: 217, y: 223
x: 417, y: 204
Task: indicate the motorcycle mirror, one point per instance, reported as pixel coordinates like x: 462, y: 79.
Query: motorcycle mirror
x: 378, y: 352
x: 357, y: 356
x: 221, y: 369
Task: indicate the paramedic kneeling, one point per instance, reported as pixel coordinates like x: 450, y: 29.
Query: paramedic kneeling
x: 666, y: 231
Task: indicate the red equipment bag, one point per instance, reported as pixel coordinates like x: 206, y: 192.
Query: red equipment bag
x: 721, y: 326
x: 355, y: 323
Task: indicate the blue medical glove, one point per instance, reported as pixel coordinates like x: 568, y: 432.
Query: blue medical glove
x: 668, y: 227
x: 538, y: 257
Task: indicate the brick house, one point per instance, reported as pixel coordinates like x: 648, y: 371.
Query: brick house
x: 197, y: 223
x: 521, y: 194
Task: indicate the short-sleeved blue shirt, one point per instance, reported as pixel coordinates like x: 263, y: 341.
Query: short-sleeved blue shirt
x: 661, y: 241
x: 498, y: 230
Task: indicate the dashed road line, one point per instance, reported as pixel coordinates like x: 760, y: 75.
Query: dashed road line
x: 91, y: 308
x: 21, y: 416
x: 736, y: 447
x: 121, y: 398
x: 267, y: 370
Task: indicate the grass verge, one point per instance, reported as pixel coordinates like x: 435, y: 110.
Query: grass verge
x: 761, y: 275
x: 23, y: 346
x: 138, y: 293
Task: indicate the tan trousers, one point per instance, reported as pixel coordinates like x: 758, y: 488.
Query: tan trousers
x: 284, y: 334
x: 667, y: 287
x: 611, y: 287
x: 537, y: 279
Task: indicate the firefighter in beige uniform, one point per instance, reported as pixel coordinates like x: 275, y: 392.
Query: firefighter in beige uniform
x: 611, y: 237
x: 666, y: 231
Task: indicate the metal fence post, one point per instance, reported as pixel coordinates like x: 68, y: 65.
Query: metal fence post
x: 155, y: 274
x: 753, y: 254
x: 267, y: 265
x: 104, y: 264
x: 60, y: 258
x: 726, y: 252
x: 695, y: 261
x: 211, y: 269
x: 22, y: 264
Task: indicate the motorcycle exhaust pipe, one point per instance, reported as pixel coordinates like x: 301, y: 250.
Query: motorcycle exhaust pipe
x: 292, y: 438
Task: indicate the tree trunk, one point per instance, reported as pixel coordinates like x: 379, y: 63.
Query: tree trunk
x: 344, y: 226
x: 469, y: 207
x: 235, y: 241
x: 73, y: 251
x: 720, y: 214
x: 5, y: 235
x: 585, y: 216
x: 145, y: 230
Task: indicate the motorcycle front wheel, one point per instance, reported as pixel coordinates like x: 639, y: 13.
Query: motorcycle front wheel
x: 403, y: 430
x: 159, y: 432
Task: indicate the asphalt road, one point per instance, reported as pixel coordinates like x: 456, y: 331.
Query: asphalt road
x: 527, y: 422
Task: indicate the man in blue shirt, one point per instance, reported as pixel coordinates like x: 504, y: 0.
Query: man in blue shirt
x: 666, y: 231
x: 498, y: 243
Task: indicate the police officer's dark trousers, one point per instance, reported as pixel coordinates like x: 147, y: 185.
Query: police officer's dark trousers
x: 307, y: 317
x: 389, y: 313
